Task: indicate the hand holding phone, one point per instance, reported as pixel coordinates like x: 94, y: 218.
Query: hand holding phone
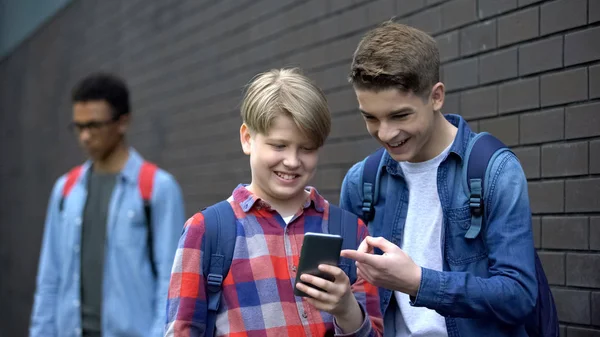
x: 338, y: 300
x: 317, y: 248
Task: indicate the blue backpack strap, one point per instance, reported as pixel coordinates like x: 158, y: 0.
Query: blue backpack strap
x: 219, y: 244
x: 345, y: 224
x: 481, y: 151
x: 370, y: 184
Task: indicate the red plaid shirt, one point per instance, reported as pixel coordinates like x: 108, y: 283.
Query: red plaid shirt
x: 258, y: 294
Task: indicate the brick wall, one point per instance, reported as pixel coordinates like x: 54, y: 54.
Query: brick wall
x: 526, y: 70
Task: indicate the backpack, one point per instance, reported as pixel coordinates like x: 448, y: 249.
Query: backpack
x: 219, y: 245
x: 145, y: 185
x: 482, y: 150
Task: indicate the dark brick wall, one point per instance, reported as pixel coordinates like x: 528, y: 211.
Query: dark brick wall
x: 526, y: 70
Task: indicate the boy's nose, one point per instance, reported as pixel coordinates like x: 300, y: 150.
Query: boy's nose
x: 292, y: 161
x: 84, y: 135
x: 386, y: 133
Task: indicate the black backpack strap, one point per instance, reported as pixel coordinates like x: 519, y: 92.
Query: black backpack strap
x: 370, y: 190
x: 480, y: 152
x: 219, y: 245
x: 345, y: 224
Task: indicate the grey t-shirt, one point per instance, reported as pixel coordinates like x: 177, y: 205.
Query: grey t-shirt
x: 422, y: 241
x: 93, y: 238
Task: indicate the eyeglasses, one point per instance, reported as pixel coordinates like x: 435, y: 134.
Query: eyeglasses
x: 92, y: 126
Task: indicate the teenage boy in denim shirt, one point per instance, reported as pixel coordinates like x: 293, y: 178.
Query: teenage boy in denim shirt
x: 99, y: 274
x: 435, y: 282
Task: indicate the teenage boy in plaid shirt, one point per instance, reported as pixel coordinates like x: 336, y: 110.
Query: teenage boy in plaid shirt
x: 285, y: 122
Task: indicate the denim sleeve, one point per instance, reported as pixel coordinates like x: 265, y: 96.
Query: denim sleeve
x: 509, y: 293
x: 48, y: 277
x: 168, y: 217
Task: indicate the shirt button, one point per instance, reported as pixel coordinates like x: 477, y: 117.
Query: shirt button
x: 76, y: 303
x: 293, y: 268
x: 78, y: 221
x: 76, y: 248
x: 305, y: 315
x: 78, y: 331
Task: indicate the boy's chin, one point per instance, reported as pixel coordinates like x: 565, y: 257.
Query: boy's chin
x: 401, y: 157
x: 287, y: 192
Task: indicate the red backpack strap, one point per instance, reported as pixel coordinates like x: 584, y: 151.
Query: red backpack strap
x: 146, y: 180
x: 145, y: 184
x: 72, y: 177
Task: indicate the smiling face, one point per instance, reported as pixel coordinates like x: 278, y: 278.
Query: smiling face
x: 409, y: 127
x: 282, y: 161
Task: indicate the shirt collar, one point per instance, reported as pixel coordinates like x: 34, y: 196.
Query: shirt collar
x: 247, y: 199
x: 129, y: 172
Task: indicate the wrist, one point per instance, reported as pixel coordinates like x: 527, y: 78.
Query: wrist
x: 415, y: 282
x: 350, y: 311
x: 350, y: 319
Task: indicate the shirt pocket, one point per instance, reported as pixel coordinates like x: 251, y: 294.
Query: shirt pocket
x: 460, y: 250
x: 131, y: 228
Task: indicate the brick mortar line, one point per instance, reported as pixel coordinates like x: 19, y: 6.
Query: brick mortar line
x: 569, y: 251
x: 149, y: 12
x: 190, y: 15
x: 230, y: 32
x: 324, y: 17
x: 538, y: 109
x: 266, y: 39
x: 540, y: 37
x: 566, y: 287
x: 595, y: 328
x: 236, y: 71
x: 345, y: 35
x: 455, y: 91
x: 525, y: 77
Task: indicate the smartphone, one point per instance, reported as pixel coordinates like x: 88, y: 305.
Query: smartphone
x: 317, y: 248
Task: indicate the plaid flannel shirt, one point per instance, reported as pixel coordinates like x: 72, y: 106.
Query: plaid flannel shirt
x: 258, y: 293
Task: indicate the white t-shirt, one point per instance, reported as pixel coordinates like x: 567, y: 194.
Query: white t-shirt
x: 422, y: 241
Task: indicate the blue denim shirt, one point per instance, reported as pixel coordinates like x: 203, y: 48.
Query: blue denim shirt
x: 488, y: 285
x: 133, y: 302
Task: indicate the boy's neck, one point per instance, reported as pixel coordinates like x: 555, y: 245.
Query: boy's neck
x: 114, y: 162
x: 442, y: 136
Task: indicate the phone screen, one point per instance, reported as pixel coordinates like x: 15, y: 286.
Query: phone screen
x: 317, y: 248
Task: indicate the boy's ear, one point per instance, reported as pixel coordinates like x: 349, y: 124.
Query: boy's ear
x: 123, y: 123
x: 437, y: 96
x: 245, y: 138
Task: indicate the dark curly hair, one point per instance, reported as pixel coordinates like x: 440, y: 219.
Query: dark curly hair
x: 103, y: 86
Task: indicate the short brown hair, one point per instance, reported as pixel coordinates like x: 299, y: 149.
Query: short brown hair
x: 394, y: 55
x: 289, y: 92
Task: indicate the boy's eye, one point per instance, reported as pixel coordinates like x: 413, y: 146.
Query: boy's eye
x: 278, y: 146
x: 308, y: 148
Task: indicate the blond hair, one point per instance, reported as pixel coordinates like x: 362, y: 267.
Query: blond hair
x: 286, y: 91
x: 394, y: 55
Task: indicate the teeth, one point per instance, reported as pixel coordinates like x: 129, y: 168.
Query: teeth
x: 398, y: 144
x: 286, y: 176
